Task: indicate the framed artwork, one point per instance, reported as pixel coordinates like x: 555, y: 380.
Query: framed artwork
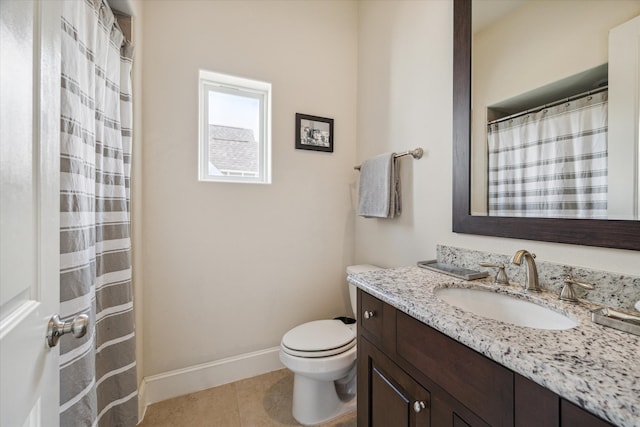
x: 314, y: 133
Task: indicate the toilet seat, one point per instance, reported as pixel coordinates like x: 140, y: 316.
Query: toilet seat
x: 320, y: 338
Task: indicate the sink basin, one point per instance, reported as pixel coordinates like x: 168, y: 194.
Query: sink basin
x: 505, y: 308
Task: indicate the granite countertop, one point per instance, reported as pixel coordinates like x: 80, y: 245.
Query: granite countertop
x: 595, y: 367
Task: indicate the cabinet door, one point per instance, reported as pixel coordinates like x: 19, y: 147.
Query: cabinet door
x: 447, y: 412
x: 535, y: 405
x: 482, y: 385
x: 572, y: 415
x: 392, y: 398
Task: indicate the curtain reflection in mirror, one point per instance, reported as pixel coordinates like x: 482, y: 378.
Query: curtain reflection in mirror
x: 552, y: 162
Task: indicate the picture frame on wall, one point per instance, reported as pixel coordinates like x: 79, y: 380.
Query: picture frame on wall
x: 314, y: 133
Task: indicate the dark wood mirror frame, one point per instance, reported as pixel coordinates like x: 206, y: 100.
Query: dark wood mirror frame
x: 602, y: 233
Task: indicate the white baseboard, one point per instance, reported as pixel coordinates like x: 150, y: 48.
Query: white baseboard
x: 206, y: 375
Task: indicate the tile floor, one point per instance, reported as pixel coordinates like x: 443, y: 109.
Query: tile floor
x: 262, y: 401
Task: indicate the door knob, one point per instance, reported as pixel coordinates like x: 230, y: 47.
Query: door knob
x: 57, y: 328
x: 369, y: 314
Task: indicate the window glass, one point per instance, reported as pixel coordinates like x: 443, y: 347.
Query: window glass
x: 234, y: 129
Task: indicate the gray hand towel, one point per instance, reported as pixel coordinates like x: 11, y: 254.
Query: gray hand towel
x: 379, y: 189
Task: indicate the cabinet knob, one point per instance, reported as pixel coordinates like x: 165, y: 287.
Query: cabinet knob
x: 369, y: 314
x: 419, y: 405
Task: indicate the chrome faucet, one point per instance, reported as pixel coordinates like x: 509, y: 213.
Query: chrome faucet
x: 532, y: 284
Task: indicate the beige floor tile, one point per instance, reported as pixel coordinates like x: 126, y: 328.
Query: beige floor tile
x: 214, y: 407
x: 348, y: 420
x: 262, y: 401
x: 266, y: 400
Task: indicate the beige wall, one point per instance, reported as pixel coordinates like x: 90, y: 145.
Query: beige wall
x: 228, y: 268
x: 404, y: 100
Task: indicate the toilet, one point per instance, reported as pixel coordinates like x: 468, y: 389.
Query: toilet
x: 322, y: 356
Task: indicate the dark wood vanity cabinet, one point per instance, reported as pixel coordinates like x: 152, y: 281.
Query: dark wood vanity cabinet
x: 393, y: 397
x: 391, y: 372
x: 409, y: 374
x: 537, y: 406
x: 572, y: 415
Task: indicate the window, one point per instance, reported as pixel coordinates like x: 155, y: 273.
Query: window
x: 235, y: 129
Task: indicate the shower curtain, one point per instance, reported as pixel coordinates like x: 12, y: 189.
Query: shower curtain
x: 551, y: 163
x: 98, y: 385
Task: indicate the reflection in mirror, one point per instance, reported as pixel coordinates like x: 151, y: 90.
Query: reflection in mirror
x: 622, y: 234
x: 554, y: 132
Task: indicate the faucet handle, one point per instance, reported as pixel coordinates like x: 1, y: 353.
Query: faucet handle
x: 501, y: 276
x: 568, y: 294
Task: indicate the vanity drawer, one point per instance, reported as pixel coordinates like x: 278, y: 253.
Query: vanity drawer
x: 371, y: 315
x: 484, y: 386
x: 377, y: 320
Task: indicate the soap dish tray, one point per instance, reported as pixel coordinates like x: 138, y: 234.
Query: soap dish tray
x: 599, y: 316
x: 452, y: 270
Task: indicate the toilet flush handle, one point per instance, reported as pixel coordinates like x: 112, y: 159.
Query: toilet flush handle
x: 369, y: 314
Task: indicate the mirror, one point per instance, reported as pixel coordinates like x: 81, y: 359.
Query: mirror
x: 576, y: 156
x: 624, y: 234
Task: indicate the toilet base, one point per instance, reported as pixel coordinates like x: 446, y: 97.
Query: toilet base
x: 316, y: 402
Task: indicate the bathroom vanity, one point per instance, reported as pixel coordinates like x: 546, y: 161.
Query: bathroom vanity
x: 424, y: 362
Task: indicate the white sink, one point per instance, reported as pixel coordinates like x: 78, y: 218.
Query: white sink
x: 505, y: 308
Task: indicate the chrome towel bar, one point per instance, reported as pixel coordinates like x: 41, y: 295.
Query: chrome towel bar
x: 416, y: 154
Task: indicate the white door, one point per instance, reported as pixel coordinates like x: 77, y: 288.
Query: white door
x: 29, y: 205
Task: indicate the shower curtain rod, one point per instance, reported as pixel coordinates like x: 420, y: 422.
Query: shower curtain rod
x: 416, y: 154
x: 551, y: 104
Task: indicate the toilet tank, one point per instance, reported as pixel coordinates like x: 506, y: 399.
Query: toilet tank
x: 354, y: 269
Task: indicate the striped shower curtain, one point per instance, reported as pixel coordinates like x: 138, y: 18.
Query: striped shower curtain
x: 98, y: 385
x: 551, y: 163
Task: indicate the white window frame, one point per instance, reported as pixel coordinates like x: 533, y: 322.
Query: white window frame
x: 211, y: 81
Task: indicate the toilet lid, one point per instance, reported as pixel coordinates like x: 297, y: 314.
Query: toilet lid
x: 321, y: 336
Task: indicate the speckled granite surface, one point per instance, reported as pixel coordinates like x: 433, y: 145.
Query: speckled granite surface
x: 612, y: 289
x: 595, y: 367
